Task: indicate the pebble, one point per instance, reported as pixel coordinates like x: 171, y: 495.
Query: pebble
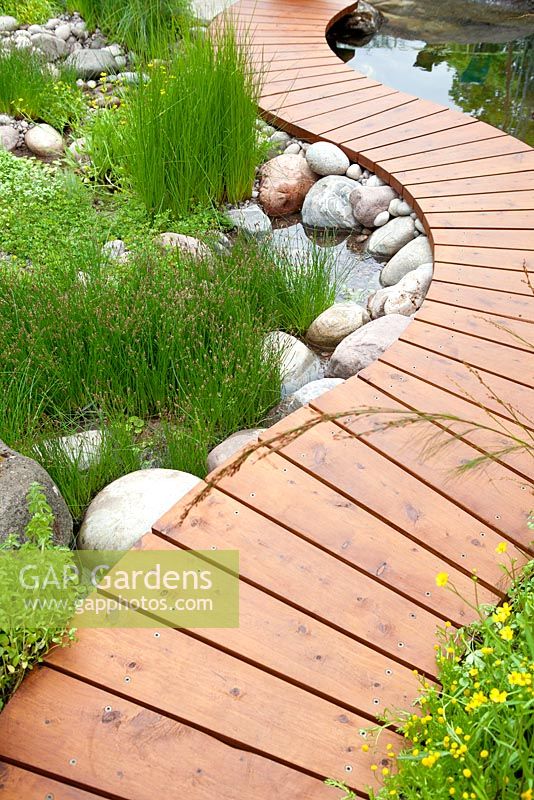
x: 354, y: 172
x: 381, y: 219
x: 325, y: 158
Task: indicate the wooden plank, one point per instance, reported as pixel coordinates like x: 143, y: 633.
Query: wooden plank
x: 479, y: 427
x: 301, y: 97
x: 481, y: 149
x: 130, y: 751
x: 215, y: 692
x: 464, y: 134
x: 488, y: 301
x: 330, y: 522
x: 510, y: 220
x: 395, y: 117
x: 443, y: 120
x: 362, y: 92
x: 501, y: 500
x: 507, y: 362
x: 344, y: 118
x: 498, y: 201
x: 500, y: 258
x: 511, y: 331
x: 291, y: 85
x: 290, y: 643
x: 473, y: 237
x: 501, y: 396
x: 21, y: 784
x: 463, y: 277
x: 511, y: 182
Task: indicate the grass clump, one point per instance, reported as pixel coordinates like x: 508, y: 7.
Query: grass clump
x: 22, y: 646
x: 29, y: 89
x: 188, y: 137
x: 474, y: 737
x: 146, y: 28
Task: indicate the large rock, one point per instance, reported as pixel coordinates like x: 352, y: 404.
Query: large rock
x: 188, y: 245
x: 405, y: 297
x: 8, y: 137
x: 251, y: 221
x: 127, y: 508
x: 51, y: 46
x: 370, y: 201
x: 43, y: 140
x: 365, y: 345
x: 389, y: 239
x: 285, y: 182
x: 311, y: 391
x: 360, y: 26
x: 326, y: 158
x: 327, y: 204
x: 409, y: 257
x: 335, y: 323
x: 83, y: 449
x: 231, y: 446
x: 8, y: 24
x: 17, y: 473
x: 299, y: 365
x: 90, y: 63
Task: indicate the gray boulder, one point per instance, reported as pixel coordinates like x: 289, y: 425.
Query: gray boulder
x: 17, y: 473
x: 8, y: 137
x: 327, y: 204
x: 405, y: 297
x: 90, y: 63
x: 251, y: 221
x: 298, y: 365
x: 8, y: 24
x: 51, y: 46
x: 127, y: 508
x: 409, y: 257
x: 365, y: 345
x: 370, y: 201
x: 389, y: 239
x: 231, y: 446
x: 311, y: 391
x: 325, y: 158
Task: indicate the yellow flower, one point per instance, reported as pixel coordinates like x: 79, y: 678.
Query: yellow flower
x: 452, y: 790
x: 502, y: 613
x: 520, y: 678
x: 466, y: 773
x: 374, y: 767
x: 385, y: 771
x: 484, y: 754
x: 498, y: 697
x: 502, y: 547
x: 506, y: 633
x: 365, y: 748
x: 527, y: 795
x: 442, y: 579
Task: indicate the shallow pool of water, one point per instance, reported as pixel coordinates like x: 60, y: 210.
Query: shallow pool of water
x: 473, y: 56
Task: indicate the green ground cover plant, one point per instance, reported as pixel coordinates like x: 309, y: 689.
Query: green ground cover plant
x: 29, y: 89
x: 21, y: 647
x: 29, y: 12
x: 474, y: 738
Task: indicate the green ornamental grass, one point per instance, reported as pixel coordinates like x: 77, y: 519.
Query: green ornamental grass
x: 29, y: 89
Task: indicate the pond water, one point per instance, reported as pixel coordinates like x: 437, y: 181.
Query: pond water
x: 471, y: 55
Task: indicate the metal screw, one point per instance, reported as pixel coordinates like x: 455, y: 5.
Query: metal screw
x: 376, y: 701
x: 107, y: 709
x: 73, y: 762
x: 127, y: 679
x: 157, y: 635
x: 348, y: 767
x: 401, y: 644
x: 389, y: 672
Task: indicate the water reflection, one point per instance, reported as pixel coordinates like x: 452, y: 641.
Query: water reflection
x: 490, y: 79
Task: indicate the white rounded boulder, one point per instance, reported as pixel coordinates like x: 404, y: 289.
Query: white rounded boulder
x: 299, y: 365
x: 126, y: 509
x: 325, y: 158
x: 43, y: 140
x: 335, y: 323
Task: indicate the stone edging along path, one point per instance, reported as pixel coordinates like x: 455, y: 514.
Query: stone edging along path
x: 341, y: 531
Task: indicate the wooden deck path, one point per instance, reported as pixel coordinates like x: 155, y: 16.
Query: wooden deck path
x: 341, y: 532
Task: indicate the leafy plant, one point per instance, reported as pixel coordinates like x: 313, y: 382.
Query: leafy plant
x: 474, y: 736
x: 21, y: 646
x: 29, y: 12
x: 29, y: 89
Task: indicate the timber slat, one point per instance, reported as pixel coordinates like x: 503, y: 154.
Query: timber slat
x: 342, y: 528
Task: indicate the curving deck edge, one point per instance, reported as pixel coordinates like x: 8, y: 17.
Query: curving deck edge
x: 342, y: 531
